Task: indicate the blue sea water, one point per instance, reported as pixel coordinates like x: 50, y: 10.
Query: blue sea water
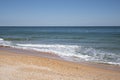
x: 96, y: 44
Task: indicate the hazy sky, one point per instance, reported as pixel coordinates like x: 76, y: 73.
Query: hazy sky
x: 59, y: 12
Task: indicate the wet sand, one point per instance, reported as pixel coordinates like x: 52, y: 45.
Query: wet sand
x: 15, y: 65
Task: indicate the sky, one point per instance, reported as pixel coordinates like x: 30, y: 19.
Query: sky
x: 59, y: 12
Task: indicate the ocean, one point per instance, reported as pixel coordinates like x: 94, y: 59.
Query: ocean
x: 94, y: 44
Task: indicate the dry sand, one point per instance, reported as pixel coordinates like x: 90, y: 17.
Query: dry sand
x: 26, y: 67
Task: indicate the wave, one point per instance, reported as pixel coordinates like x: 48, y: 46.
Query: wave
x: 4, y: 43
x: 70, y: 52
x: 75, y: 52
x: 65, y: 50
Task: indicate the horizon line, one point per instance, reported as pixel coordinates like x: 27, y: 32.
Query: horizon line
x: 59, y: 26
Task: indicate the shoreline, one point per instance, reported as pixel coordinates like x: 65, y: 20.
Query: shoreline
x: 57, y: 57
x: 39, y: 64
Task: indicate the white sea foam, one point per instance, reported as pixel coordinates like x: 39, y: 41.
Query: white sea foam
x: 79, y: 52
x: 66, y: 50
x: 1, y: 39
x: 4, y: 43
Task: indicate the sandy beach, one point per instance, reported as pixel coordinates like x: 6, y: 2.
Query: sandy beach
x: 14, y: 66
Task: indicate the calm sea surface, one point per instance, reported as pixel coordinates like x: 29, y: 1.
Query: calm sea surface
x: 97, y: 44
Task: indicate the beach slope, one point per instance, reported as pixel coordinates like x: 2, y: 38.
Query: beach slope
x: 26, y: 67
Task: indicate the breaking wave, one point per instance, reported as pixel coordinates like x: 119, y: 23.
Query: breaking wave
x: 76, y: 52
x: 4, y: 43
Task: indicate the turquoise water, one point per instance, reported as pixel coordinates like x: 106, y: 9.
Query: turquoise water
x: 97, y: 44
